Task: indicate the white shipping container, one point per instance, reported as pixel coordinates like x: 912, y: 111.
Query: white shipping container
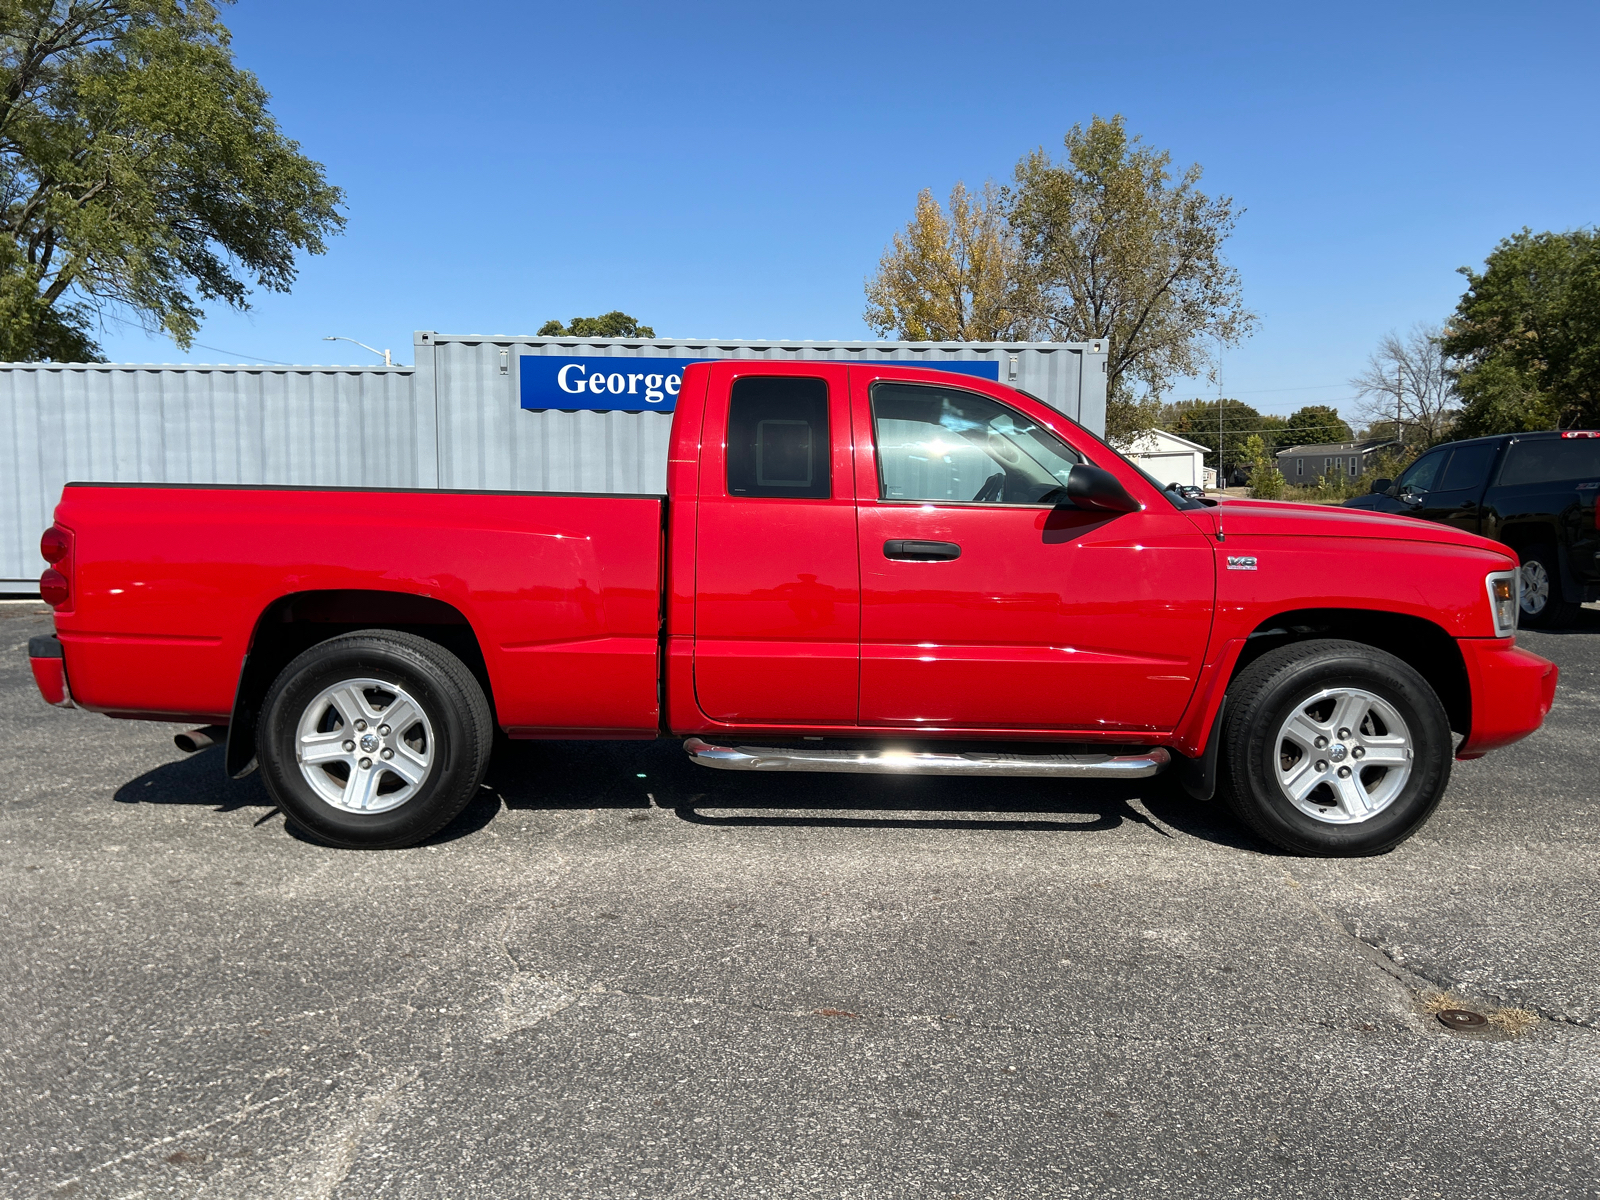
x: 470, y: 415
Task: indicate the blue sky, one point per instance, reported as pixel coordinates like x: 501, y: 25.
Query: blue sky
x: 735, y: 170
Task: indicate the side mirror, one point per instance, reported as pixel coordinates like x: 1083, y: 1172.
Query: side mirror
x: 1381, y: 485
x: 1098, y: 490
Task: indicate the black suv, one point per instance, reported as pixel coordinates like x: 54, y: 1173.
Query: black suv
x: 1533, y: 491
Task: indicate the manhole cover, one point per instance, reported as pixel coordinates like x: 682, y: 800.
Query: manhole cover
x: 1460, y: 1018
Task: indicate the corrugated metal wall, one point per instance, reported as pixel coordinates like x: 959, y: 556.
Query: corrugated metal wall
x: 486, y: 440
x: 453, y: 420
x: 339, y: 426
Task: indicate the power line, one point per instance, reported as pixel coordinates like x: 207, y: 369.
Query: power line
x: 1310, y: 387
x: 123, y: 321
x: 241, y: 354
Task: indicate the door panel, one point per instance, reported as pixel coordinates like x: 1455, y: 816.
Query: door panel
x: 1458, y: 488
x: 1047, y: 619
x: 778, y: 589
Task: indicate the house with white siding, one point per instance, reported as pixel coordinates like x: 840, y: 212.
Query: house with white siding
x: 1170, y: 458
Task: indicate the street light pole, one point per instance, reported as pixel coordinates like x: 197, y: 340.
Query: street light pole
x: 387, y: 361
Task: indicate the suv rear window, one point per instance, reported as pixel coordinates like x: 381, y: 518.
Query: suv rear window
x: 1553, y: 460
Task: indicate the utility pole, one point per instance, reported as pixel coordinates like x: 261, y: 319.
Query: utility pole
x: 1399, y: 400
x: 1222, y: 480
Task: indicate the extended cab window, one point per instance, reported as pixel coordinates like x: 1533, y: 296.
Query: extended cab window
x: 1553, y: 460
x: 948, y: 446
x: 1469, y: 468
x: 778, y: 438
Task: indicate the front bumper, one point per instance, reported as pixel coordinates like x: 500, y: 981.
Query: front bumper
x: 1512, y: 691
x: 50, y: 670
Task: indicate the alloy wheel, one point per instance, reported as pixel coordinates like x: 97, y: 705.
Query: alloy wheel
x: 364, y: 745
x: 1343, y: 755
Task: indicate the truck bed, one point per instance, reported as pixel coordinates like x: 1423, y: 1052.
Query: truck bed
x: 172, y: 584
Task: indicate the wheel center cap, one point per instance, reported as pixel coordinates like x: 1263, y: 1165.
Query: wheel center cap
x: 1336, y: 752
x: 369, y: 743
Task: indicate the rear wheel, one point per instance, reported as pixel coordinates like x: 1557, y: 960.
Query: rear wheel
x: 1543, y: 605
x: 1335, y: 749
x: 374, y: 739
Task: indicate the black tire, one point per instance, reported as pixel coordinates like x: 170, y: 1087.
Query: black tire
x: 1282, y: 682
x: 1541, y: 564
x: 455, y: 738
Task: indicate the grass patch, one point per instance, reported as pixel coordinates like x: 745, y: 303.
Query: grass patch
x: 1513, y: 1020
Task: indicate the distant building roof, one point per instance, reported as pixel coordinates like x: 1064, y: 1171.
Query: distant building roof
x: 1335, y: 448
x: 1142, y: 443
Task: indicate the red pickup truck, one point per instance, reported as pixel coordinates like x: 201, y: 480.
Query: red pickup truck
x: 855, y: 568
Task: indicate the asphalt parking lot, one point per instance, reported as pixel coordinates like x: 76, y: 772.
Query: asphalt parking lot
x: 620, y: 975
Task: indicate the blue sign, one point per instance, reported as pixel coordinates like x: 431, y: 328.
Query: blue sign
x: 614, y: 383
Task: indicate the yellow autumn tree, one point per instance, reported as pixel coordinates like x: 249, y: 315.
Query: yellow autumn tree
x: 950, y: 276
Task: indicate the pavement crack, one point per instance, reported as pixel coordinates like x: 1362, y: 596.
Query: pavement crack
x: 239, y: 1114
x: 1420, y: 982
x: 341, y: 1155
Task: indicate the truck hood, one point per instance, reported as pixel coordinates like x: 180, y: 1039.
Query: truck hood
x: 1276, y: 518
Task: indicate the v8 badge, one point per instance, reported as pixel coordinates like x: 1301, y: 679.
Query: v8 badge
x: 1241, y: 562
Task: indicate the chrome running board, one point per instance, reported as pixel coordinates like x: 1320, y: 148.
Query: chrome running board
x: 924, y: 762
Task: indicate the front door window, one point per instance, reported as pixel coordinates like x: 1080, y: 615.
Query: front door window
x: 953, y: 447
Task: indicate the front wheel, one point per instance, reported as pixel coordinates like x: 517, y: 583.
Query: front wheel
x: 374, y: 739
x: 1543, y: 606
x: 1335, y: 748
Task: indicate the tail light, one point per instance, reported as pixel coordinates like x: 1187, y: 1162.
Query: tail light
x: 55, y: 585
x: 55, y: 544
x: 53, y: 588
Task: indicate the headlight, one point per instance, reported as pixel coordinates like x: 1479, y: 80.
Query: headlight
x: 1504, y: 587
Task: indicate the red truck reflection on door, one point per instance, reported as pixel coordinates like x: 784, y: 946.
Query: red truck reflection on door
x: 910, y: 567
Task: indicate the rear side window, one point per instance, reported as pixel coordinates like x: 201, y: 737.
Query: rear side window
x: 1553, y: 460
x: 778, y: 439
x: 1469, y: 468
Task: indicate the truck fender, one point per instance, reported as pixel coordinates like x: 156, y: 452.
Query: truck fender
x: 1571, y: 590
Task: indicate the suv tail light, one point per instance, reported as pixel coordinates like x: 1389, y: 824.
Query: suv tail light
x: 55, y: 585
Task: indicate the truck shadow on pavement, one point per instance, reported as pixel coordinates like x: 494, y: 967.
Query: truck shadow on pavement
x: 584, y: 775
x: 575, y: 776
x: 195, y: 779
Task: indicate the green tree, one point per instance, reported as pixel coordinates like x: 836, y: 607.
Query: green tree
x: 1313, y: 425
x: 1116, y: 248
x: 1197, y: 420
x: 139, y: 168
x: 614, y: 324
x: 950, y: 277
x: 1266, y: 481
x: 1526, y: 335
